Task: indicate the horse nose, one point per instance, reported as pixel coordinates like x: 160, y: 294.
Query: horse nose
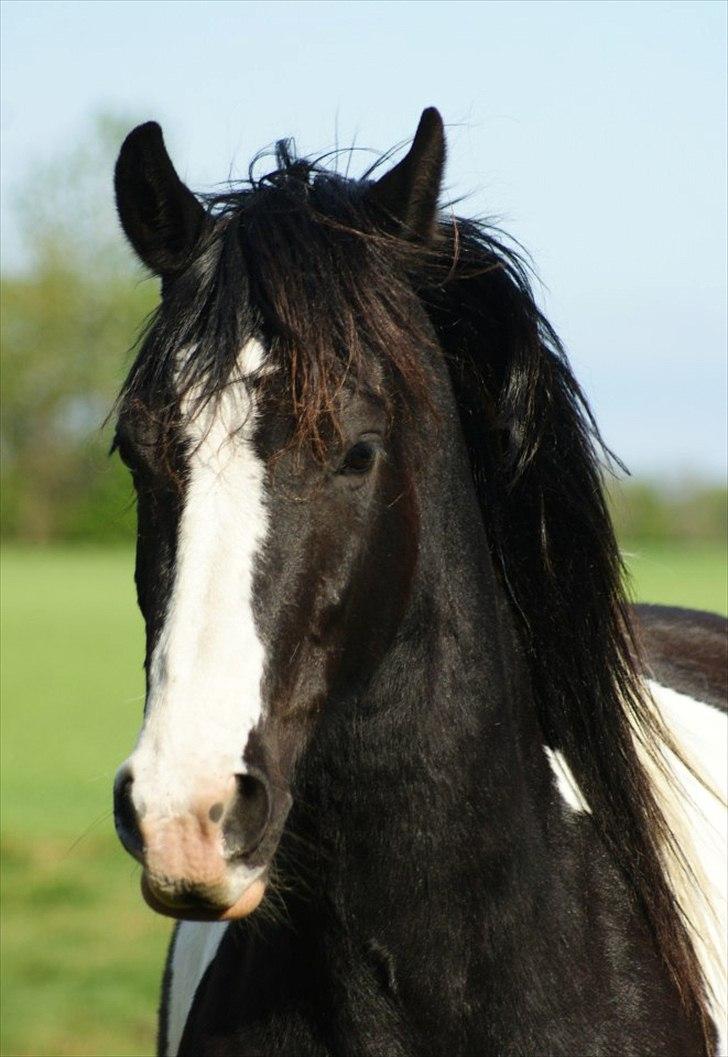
x: 126, y: 817
x: 225, y: 823
x: 247, y: 819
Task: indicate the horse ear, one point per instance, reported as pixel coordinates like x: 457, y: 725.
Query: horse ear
x: 160, y: 216
x: 410, y: 190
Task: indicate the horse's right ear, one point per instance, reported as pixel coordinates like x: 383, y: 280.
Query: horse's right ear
x: 408, y: 193
x: 160, y: 216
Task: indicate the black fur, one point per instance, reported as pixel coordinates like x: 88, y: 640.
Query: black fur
x: 687, y: 650
x: 429, y: 625
x: 163, y: 1017
x: 161, y: 218
x: 409, y: 192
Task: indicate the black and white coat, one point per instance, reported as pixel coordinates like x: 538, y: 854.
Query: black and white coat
x: 394, y: 692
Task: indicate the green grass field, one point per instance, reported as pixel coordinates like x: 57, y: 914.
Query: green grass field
x: 82, y: 955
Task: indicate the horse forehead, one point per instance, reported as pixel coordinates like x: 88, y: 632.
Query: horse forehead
x: 252, y: 360
x: 233, y: 399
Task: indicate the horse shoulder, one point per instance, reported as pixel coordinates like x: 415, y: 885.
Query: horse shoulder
x: 193, y: 947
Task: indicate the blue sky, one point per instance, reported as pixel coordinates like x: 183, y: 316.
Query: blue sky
x: 595, y: 132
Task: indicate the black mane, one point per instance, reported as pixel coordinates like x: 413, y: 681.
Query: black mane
x: 302, y: 256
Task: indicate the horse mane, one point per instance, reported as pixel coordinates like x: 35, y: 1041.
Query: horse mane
x: 537, y: 460
x: 301, y: 256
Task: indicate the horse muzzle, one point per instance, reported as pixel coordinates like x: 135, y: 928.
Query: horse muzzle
x: 208, y: 861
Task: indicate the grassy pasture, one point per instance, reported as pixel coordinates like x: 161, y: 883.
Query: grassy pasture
x: 82, y: 955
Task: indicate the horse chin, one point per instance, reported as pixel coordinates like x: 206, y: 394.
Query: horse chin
x: 248, y: 901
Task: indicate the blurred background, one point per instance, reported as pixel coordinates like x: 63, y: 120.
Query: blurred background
x: 592, y: 132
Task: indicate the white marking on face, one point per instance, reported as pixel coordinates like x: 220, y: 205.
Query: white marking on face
x: 205, y: 673
x: 194, y: 945
x: 566, y: 784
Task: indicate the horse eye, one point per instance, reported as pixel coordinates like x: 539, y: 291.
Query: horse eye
x: 359, y: 458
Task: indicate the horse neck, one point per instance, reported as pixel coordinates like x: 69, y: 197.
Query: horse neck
x: 423, y: 789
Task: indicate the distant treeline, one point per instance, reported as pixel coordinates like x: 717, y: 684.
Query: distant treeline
x: 655, y: 511
x: 64, y: 350
x: 68, y: 323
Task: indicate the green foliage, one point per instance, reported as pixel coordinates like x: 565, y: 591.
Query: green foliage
x: 688, y: 512
x: 67, y: 324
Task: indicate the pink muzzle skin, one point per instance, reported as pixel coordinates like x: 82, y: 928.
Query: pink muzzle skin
x: 187, y: 873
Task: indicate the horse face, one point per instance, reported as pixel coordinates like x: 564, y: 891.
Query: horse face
x: 271, y: 579
x: 272, y: 575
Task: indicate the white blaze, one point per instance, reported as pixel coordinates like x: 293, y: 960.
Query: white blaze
x: 205, y: 673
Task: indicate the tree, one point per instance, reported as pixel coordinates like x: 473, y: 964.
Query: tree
x: 67, y: 321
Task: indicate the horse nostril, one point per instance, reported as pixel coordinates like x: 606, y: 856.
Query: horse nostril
x: 247, y: 818
x: 125, y: 814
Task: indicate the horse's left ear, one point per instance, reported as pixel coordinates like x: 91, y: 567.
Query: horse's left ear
x: 160, y: 215
x: 409, y: 192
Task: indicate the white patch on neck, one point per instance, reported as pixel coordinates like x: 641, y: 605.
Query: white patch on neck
x: 566, y: 784
x: 205, y: 674
x: 194, y: 945
x: 695, y: 808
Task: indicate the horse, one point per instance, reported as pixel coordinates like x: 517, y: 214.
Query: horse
x: 414, y: 777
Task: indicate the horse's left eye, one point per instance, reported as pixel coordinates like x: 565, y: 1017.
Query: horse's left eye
x: 359, y: 458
